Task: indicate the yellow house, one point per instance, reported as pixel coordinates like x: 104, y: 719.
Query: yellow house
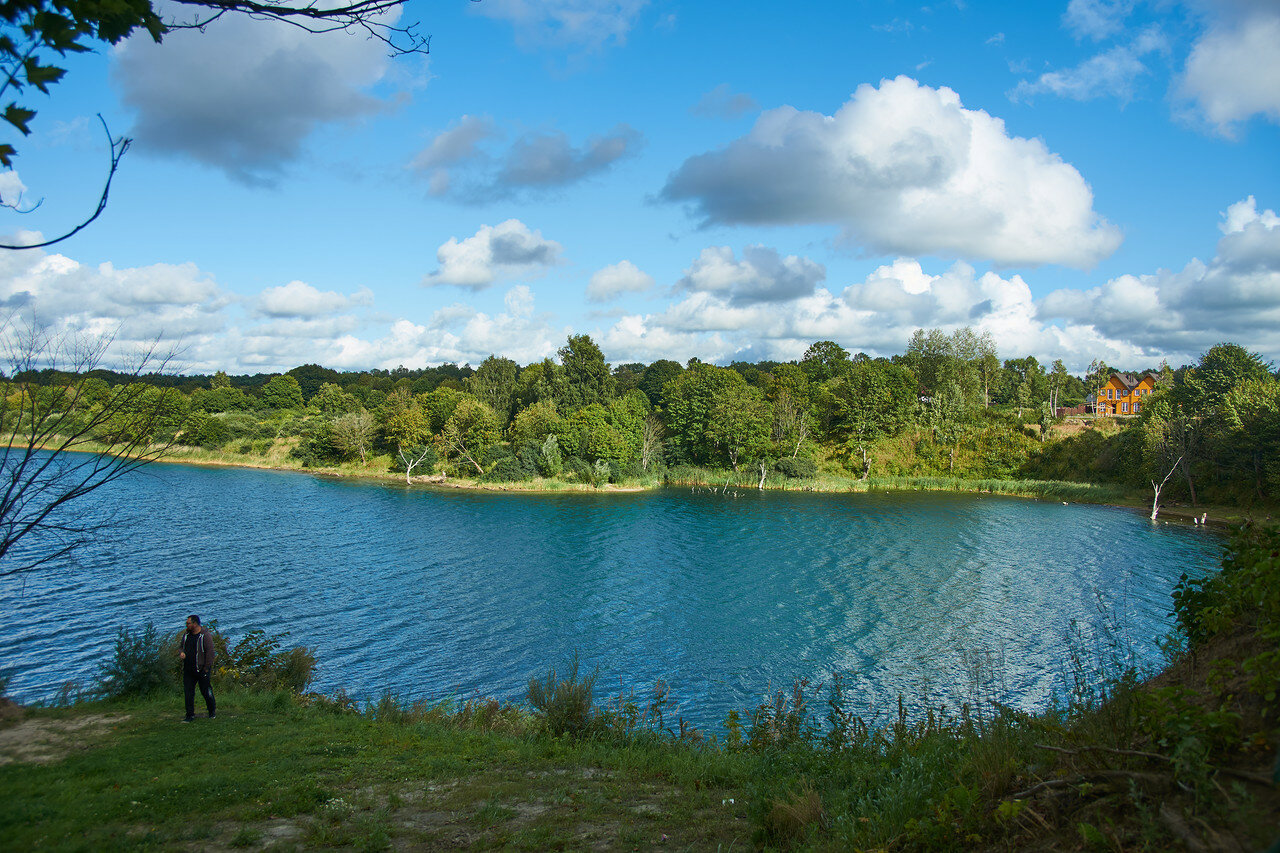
x: 1125, y: 393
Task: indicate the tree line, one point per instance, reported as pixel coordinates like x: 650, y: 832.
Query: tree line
x: 947, y: 405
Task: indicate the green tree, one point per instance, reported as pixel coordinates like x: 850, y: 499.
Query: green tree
x: 876, y: 399
x: 824, y: 360
x: 494, y: 384
x: 1222, y: 368
x: 655, y: 377
x: 587, y: 376
x: 353, y: 433
x: 403, y: 422
x: 469, y: 433
x: 690, y: 404
x: 541, y: 382
x: 739, y: 423
x: 312, y: 377
x: 534, y: 424
x: 789, y: 392
x: 1250, y: 437
x: 333, y: 401
x: 282, y: 392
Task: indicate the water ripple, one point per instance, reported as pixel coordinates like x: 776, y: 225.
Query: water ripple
x: 442, y: 593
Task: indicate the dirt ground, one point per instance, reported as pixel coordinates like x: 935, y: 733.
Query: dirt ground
x: 40, y: 741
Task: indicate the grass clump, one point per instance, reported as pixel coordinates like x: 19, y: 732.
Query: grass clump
x: 564, y: 700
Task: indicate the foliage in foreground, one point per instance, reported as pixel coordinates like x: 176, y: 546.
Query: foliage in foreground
x: 145, y: 661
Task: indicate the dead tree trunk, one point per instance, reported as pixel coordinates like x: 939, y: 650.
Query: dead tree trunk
x: 1156, y: 487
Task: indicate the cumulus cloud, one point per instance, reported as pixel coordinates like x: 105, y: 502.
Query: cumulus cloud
x: 11, y: 188
x: 136, y: 306
x: 301, y: 300
x: 459, y: 167
x: 1131, y: 319
x: 1233, y: 71
x: 1114, y: 73
x: 723, y: 102
x: 507, y: 249
x: 586, y: 24
x: 761, y: 276
x: 242, y: 95
x: 1235, y: 296
x: 616, y: 279
x: 1096, y: 19
x: 903, y: 169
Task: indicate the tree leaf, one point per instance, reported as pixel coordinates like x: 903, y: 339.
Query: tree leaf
x: 19, y: 117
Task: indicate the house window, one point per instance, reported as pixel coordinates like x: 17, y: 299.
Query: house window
x: 1124, y: 407
x: 1137, y: 407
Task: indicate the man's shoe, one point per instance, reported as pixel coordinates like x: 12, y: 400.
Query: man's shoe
x: 213, y: 716
x: 187, y: 719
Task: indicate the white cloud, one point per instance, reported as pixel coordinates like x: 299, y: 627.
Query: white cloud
x: 616, y: 279
x: 1236, y: 296
x: 904, y: 169
x: 588, y: 24
x: 299, y: 299
x: 1096, y: 19
x: 535, y: 163
x: 506, y: 249
x: 1113, y: 73
x: 242, y: 95
x: 11, y: 188
x: 761, y: 276
x: 1233, y: 71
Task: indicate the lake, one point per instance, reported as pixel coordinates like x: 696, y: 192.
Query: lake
x: 438, y: 593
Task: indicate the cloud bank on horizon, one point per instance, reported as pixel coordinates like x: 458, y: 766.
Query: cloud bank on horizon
x: 730, y: 215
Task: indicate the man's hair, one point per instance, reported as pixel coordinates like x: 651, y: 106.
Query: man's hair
x: 194, y: 618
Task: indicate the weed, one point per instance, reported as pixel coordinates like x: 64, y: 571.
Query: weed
x: 565, y: 703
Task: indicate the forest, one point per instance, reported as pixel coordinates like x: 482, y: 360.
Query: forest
x: 947, y: 407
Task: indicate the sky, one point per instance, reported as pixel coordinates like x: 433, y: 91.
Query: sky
x: 1092, y: 179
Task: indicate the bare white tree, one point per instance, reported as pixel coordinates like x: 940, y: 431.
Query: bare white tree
x: 65, y: 433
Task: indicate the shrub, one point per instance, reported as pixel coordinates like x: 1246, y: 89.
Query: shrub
x: 565, y: 703
x: 142, y: 662
x: 797, y: 468
x: 257, y: 661
x: 508, y: 470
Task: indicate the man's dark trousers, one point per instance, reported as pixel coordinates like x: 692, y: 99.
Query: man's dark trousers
x: 190, y: 678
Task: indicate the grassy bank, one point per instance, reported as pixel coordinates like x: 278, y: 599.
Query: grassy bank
x: 1182, y: 760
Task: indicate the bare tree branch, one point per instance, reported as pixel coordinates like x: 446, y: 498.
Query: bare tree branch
x: 118, y: 149
x: 66, y: 436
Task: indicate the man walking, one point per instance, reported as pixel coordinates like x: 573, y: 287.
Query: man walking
x: 197, y: 666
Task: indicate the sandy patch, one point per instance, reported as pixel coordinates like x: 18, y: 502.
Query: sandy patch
x: 41, y: 741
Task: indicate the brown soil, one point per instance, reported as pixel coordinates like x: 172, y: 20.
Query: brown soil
x: 42, y: 741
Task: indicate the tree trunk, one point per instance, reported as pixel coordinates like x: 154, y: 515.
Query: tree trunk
x: 1156, y: 487
x: 1191, y: 483
x: 764, y: 468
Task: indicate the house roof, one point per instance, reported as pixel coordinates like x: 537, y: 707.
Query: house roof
x: 1131, y: 380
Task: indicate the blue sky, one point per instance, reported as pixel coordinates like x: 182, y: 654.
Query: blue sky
x: 1084, y: 179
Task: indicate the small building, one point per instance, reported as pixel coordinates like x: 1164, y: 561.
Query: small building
x: 1125, y: 393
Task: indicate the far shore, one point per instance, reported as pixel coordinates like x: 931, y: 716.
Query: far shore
x: 1214, y: 516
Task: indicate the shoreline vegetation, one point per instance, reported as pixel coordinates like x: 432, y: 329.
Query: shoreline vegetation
x: 1183, y: 758
x: 1053, y: 490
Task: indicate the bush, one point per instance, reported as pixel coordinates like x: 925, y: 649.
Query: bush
x: 796, y: 469
x: 258, y: 662
x: 577, y: 468
x: 508, y: 470
x: 565, y: 703
x: 142, y: 662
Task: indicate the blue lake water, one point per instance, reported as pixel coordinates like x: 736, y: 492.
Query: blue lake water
x: 439, y: 593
